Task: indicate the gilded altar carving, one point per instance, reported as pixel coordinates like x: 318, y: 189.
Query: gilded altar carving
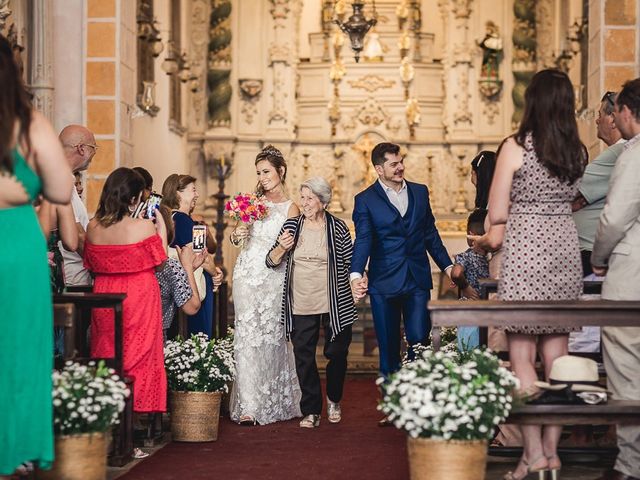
x: 250, y: 89
x: 371, y: 83
x: 199, y: 41
x: 544, y: 34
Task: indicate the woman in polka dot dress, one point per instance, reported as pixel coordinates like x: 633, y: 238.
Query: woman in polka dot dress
x: 537, y: 176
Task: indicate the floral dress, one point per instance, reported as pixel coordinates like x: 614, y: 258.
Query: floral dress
x: 266, y: 386
x: 541, y: 253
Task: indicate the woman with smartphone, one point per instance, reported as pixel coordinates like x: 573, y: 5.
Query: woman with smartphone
x: 180, y: 195
x: 124, y: 253
x: 266, y: 387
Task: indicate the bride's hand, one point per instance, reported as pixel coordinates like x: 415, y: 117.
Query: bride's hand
x: 241, y: 232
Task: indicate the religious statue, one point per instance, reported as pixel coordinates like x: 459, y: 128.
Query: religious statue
x: 491, y: 45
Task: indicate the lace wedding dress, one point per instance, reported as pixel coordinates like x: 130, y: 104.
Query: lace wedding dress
x: 266, y: 386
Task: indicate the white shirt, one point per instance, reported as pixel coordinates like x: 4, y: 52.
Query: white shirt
x: 399, y: 199
x: 74, y: 271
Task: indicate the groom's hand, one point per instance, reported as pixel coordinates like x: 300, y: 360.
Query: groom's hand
x: 358, y: 288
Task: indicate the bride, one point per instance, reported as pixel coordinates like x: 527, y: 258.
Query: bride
x: 266, y: 388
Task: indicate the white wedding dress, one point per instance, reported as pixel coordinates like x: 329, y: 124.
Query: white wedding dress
x: 266, y: 385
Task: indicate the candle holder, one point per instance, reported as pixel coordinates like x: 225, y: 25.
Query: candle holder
x: 219, y: 168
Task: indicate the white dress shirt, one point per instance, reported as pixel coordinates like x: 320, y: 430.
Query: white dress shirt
x: 399, y: 199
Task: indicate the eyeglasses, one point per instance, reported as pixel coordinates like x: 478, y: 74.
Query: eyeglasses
x: 611, y: 98
x: 95, y: 147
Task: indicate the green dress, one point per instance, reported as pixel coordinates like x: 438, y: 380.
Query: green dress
x: 26, y: 333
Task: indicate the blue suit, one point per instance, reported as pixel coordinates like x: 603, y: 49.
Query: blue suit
x: 399, y: 274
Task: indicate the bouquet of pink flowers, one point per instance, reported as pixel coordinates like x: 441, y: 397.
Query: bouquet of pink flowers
x: 246, y: 208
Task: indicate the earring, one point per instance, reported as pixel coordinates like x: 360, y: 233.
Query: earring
x: 132, y: 208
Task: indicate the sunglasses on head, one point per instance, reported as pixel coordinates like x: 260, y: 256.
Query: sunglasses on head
x: 611, y: 98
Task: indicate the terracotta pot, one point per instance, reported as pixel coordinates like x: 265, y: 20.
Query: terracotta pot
x: 81, y: 456
x: 195, y: 416
x: 431, y: 459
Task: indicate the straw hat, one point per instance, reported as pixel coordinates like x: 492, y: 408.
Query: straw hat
x: 579, y: 373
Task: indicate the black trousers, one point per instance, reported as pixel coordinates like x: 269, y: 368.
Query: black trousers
x: 305, y: 335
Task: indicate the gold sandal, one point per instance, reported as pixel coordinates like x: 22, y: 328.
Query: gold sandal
x: 542, y: 472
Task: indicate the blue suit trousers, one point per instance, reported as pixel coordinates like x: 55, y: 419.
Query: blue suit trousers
x: 387, y: 311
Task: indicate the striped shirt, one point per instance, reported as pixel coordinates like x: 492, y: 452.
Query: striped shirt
x: 342, y: 309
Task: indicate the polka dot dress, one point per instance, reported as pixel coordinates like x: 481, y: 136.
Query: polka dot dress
x: 541, y: 253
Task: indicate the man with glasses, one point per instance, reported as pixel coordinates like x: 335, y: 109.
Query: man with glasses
x: 595, y: 181
x: 616, y: 256
x: 588, y: 206
x: 79, y: 147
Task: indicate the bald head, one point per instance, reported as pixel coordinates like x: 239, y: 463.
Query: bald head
x: 79, y: 146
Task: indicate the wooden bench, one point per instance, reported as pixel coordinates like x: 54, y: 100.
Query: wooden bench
x: 489, y: 313
x: 602, y: 313
x: 72, y: 311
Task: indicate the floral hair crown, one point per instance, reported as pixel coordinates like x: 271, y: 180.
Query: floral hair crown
x: 271, y: 151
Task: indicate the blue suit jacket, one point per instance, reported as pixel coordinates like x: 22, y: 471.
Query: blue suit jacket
x: 395, y: 247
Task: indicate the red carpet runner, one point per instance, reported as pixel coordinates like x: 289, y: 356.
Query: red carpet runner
x: 356, y: 448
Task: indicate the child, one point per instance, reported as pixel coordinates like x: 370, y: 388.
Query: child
x: 470, y: 266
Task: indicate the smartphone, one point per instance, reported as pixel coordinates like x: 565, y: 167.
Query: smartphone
x: 153, y: 202
x: 199, y: 238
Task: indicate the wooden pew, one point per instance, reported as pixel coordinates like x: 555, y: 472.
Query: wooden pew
x: 72, y: 311
x: 602, y: 313
x: 489, y: 286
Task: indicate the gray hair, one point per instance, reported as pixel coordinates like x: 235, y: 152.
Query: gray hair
x: 320, y: 188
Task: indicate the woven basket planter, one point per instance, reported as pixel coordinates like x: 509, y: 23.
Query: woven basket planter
x: 451, y: 460
x: 195, y: 416
x: 79, y: 457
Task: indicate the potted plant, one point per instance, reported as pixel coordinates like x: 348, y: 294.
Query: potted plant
x: 199, y: 371
x: 449, y: 404
x: 87, y: 402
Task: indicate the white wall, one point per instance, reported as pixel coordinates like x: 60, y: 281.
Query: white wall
x: 68, y: 62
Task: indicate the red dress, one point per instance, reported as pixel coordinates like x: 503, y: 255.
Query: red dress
x: 130, y: 269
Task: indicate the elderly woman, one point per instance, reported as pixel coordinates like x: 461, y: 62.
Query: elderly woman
x: 317, y: 247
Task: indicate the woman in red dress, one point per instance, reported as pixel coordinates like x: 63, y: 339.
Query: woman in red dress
x: 123, y: 253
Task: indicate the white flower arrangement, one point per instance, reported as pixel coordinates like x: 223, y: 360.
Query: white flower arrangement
x: 87, y: 398
x: 199, y: 364
x: 449, y: 396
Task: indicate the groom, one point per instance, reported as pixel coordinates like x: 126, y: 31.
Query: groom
x: 394, y: 231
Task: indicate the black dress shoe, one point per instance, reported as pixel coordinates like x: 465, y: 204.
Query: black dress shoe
x: 616, y: 475
x: 385, y: 422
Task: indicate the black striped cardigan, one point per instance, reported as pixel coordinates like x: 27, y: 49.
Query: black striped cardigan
x: 342, y: 309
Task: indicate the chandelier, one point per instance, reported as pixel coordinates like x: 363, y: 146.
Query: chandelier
x: 357, y: 26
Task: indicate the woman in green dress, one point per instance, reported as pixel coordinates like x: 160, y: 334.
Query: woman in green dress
x: 31, y: 162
